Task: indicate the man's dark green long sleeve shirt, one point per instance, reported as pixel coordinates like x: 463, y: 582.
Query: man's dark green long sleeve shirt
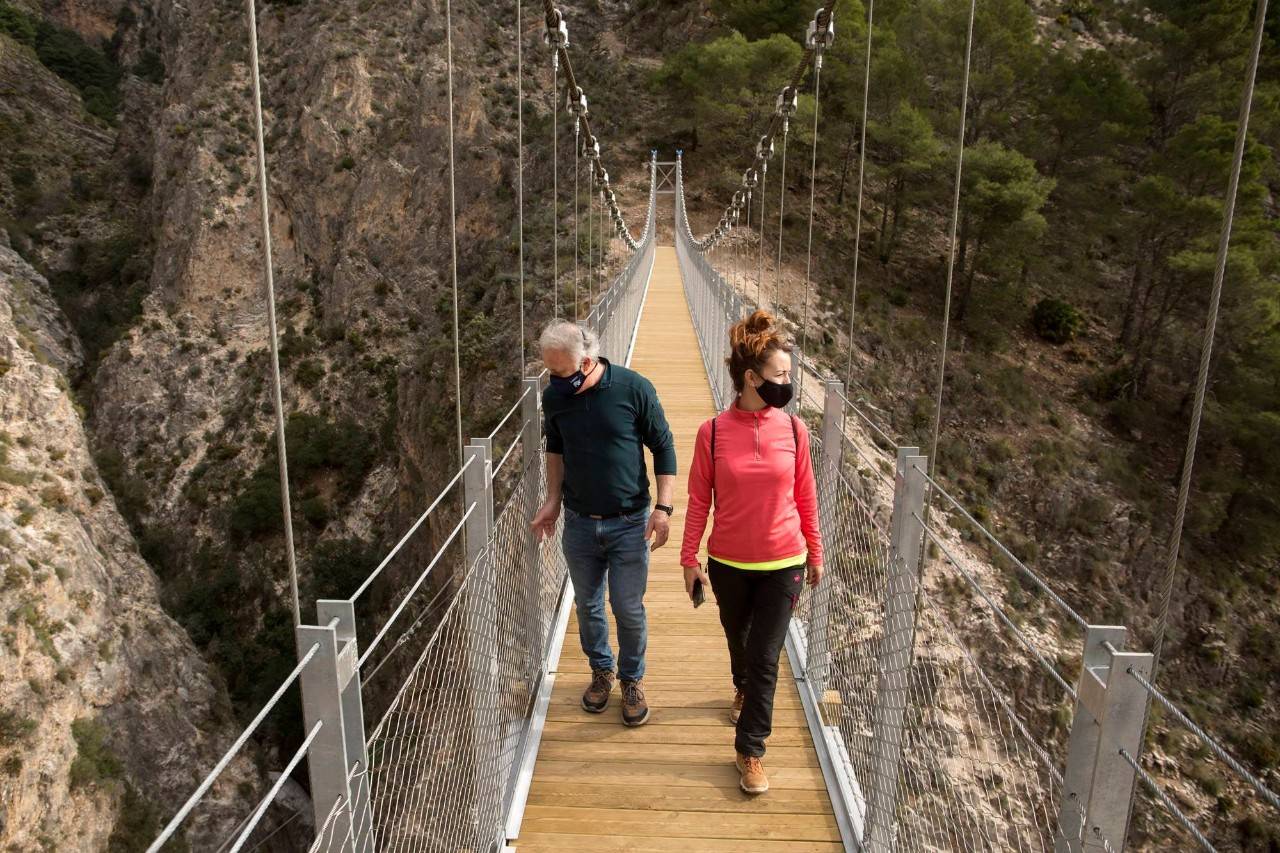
x: 602, y: 434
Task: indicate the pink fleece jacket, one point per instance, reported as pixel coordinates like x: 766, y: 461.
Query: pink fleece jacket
x: 766, y: 504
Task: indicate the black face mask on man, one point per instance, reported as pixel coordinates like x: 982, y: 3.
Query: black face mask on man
x: 775, y: 394
x: 568, y: 385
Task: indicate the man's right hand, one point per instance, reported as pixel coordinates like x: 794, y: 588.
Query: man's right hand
x: 544, y: 522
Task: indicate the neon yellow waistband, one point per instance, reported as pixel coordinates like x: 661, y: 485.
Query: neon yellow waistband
x: 767, y: 565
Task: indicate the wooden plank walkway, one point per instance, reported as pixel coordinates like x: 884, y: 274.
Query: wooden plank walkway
x: 671, y: 784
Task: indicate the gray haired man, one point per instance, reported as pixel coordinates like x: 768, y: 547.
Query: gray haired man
x: 599, y: 417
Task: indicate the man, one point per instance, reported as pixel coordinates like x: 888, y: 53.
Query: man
x: 598, y: 419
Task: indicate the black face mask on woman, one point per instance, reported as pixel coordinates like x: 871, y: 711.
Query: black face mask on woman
x: 775, y: 394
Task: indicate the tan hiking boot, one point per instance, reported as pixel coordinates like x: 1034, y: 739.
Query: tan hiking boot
x: 753, y: 780
x: 635, y: 710
x: 596, y: 697
x: 736, y: 711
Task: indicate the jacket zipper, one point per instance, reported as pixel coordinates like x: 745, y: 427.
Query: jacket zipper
x: 757, y: 422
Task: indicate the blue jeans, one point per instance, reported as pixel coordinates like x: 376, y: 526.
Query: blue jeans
x: 609, y: 550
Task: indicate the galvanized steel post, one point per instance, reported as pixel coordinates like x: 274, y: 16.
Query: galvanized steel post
x: 817, y: 642
x: 531, y: 446
x: 892, y: 693
x: 331, y: 697
x: 481, y: 640
x: 1110, y: 716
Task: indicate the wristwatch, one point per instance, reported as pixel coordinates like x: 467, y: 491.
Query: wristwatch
x: 669, y: 510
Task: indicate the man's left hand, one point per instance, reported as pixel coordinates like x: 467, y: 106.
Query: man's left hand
x: 658, y: 528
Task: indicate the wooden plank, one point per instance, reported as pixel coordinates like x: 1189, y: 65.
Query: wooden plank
x: 655, y: 798
x: 683, y: 824
x: 588, y: 774
x: 571, y: 843
x: 670, y: 786
x: 694, y: 697
x: 580, y: 730
x: 612, y: 716
x: 673, y: 753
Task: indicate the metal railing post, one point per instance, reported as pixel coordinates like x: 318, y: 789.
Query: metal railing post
x: 817, y: 642
x: 1110, y: 715
x: 892, y: 693
x: 531, y: 441
x: 353, y: 731
x: 324, y: 683
x: 482, y: 640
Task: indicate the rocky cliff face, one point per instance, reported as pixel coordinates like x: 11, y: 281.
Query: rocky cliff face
x: 138, y: 426
x: 105, y: 704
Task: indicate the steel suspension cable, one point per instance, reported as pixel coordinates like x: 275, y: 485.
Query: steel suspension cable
x: 951, y: 259
x: 520, y: 170
x: 276, y: 394
x: 1206, y: 345
x: 577, y: 150
x: 764, y: 176
x: 862, y: 163
x: 560, y: 53
x: 555, y: 183
x: 591, y: 211
x: 813, y: 185
x: 453, y: 231
x: 782, y: 201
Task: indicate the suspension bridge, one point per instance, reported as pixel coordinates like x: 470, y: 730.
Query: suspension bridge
x: 902, y: 720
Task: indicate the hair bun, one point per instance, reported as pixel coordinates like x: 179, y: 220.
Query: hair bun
x: 754, y: 332
x: 759, y: 322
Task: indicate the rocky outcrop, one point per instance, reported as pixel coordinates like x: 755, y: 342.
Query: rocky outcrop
x: 107, y: 711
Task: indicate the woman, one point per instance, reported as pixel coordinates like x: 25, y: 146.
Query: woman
x: 753, y: 460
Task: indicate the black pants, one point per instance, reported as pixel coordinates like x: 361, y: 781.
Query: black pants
x: 755, y: 608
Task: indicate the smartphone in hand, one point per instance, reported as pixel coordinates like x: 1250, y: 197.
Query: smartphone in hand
x: 699, y: 593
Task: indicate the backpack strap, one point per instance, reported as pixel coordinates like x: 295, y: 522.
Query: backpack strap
x: 713, y: 455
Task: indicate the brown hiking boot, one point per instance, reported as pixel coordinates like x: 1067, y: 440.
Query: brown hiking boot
x: 635, y: 710
x: 596, y: 697
x: 753, y: 780
x: 736, y: 711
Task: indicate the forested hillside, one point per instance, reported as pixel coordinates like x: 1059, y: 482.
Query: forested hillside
x: 1097, y: 149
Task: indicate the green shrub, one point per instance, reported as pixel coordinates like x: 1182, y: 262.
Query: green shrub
x: 102, y: 290
x: 87, y: 68
x: 315, y: 445
x: 309, y: 373
x: 338, y: 566
x: 137, y: 825
x: 150, y: 67
x: 315, y: 510
x: 129, y: 491
x: 23, y: 176
x: 19, y: 27
x: 1258, y: 834
x: 161, y: 546
x: 94, y: 762
x: 999, y: 450
x: 256, y: 510
x: 14, y: 727
x: 1056, y: 321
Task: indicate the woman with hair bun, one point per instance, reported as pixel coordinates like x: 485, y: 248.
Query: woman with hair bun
x: 752, y: 462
